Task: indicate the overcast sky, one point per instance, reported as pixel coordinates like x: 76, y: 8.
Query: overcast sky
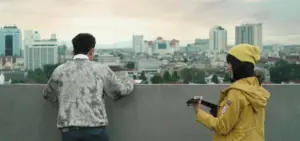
x: 117, y: 20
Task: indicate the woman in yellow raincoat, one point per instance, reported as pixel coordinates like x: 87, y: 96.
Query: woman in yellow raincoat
x: 242, y: 106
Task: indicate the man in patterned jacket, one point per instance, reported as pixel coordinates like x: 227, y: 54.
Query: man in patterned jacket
x: 78, y: 87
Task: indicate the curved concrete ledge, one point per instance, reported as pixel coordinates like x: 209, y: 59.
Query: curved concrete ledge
x: 151, y: 113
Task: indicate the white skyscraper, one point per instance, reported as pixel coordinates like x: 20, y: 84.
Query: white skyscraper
x: 30, y: 36
x: 138, y: 43
x: 249, y: 34
x: 217, y: 38
x: 39, y: 52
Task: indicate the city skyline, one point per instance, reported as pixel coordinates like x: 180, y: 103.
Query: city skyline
x: 114, y: 21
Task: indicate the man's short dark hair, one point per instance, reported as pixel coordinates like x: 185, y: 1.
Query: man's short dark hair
x: 82, y: 43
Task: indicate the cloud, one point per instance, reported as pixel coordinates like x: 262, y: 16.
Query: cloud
x: 180, y: 19
x: 262, y: 15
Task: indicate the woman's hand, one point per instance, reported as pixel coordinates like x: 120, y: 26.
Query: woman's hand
x: 197, y: 106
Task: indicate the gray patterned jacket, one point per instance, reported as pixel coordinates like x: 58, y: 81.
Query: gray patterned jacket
x: 77, y: 86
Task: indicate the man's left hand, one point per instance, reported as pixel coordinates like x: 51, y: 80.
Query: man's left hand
x: 137, y: 81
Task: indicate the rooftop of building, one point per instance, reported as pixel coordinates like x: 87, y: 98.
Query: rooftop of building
x: 219, y: 28
x: 45, y: 40
x: 10, y: 27
x: 249, y: 24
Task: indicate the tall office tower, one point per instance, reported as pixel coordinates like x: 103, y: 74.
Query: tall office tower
x: 10, y: 41
x: 217, y: 38
x: 138, y: 43
x: 249, y: 34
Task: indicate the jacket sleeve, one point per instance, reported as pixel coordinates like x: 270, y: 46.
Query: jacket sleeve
x: 228, y: 117
x: 51, y: 91
x: 115, y: 87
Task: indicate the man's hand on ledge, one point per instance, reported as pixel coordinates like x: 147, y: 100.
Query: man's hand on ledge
x: 137, y: 81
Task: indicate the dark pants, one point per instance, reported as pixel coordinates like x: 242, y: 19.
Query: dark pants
x: 85, y: 134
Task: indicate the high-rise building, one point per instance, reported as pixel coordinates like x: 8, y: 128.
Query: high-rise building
x: 62, y: 53
x: 40, y: 52
x: 10, y: 41
x: 138, y: 43
x: 249, y: 34
x: 149, y: 47
x: 217, y: 38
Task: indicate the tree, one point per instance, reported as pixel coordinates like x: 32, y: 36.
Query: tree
x: 198, y: 76
x: 167, y: 77
x: 156, y: 79
x: 49, y: 68
x: 193, y: 75
x: 281, y: 72
x: 134, y: 77
x: 40, y: 76
x: 185, y: 60
x: 37, y: 76
x: 143, y: 78
x: 175, y: 76
x: 17, y: 81
x: 226, y: 77
x: 186, y: 75
x: 215, y: 79
x: 130, y: 65
x: 262, y: 78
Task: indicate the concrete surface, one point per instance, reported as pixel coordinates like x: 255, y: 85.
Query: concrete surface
x: 151, y: 113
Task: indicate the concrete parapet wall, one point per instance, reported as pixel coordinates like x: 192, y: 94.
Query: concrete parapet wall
x: 150, y: 113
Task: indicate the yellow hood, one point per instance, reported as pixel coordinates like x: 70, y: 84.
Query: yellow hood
x: 255, y: 94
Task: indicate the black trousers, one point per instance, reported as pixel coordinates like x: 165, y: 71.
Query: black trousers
x: 84, y: 134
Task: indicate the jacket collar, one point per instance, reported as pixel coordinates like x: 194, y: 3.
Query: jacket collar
x: 80, y: 56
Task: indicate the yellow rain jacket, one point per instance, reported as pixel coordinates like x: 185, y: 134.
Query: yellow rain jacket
x: 241, y: 113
